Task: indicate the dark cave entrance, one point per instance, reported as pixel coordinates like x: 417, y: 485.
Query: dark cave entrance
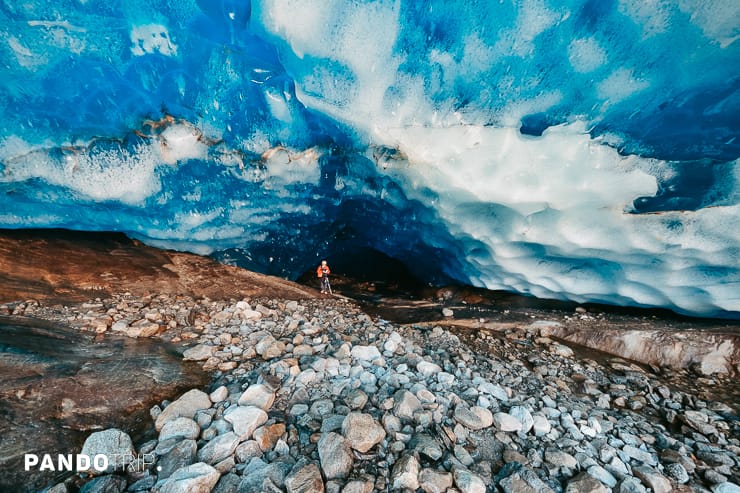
x: 365, y: 269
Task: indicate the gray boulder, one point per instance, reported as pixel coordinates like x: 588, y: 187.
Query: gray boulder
x: 195, y: 478
x: 335, y: 455
x: 305, y: 478
x: 112, y: 443
x: 186, y: 406
x: 245, y: 420
x: 181, y: 455
x: 183, y: 428
x: 201, y: 352
x: 405, y: 474
x: 219, y: 448
x: 362, y: 432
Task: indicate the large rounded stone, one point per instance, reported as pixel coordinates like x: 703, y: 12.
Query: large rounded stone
x: 540, y: 425
x: 506, y: 422
x: 427, y: 369
x: 257, y: 395
x: 365, y: 353
x: 362, y: 431
x: 219, y: 395
x: 356, y: 399
x: 181, y: 455
x: 245, y: 420
x: 112, y: 443
x: 201, y: 352
x: 424, y: 444
x: 179, y: 428
x: 195, y: 478
x: 678, y: 473
x: 652, y: 479
x: 524, y: 480
x: 559, y: 458
x: 268, y: 347
x: 524, y: 416
x: 219, y: 448
x: 186, y: 406
x: 475, y: 418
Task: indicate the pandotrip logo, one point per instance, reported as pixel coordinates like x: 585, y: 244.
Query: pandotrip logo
x: 81, y: 463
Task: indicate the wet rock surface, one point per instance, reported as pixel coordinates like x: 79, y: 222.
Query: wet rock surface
x: 59, y: 384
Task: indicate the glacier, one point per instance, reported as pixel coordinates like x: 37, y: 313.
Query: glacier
x: 578, y: 150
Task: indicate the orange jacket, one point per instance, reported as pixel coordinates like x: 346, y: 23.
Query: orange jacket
x: 321, y: 269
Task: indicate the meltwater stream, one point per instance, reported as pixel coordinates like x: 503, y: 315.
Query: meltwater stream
x: 58, y: 385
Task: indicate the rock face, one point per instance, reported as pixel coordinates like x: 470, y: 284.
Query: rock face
x: 710, y: 354
x: 30, y: 269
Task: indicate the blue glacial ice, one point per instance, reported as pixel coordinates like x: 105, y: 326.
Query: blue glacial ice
x: 579, y: 150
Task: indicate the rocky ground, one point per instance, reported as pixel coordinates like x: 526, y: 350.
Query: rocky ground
x: 60, y: 266
x: 314, y: 395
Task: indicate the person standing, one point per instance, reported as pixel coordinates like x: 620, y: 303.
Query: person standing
x: 322, y: 272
